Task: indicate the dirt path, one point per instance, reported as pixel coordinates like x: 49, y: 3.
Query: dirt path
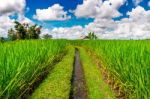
x: 78, y: 82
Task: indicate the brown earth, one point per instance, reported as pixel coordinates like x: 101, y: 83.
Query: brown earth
x: 78, y: 81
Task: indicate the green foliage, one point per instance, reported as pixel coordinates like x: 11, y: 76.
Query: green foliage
x: 11, y: 35
x: 127, y: 61
x: 96, y: 87
x: 2, y: 39
x: 22, y: 62
x: 47, y: 36
x: 91, y: 36
x: 20, y: 30
x: 58, y: 83
x: 24, y: 31
x: 33, y: 32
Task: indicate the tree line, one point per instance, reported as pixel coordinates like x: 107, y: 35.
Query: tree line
x: 24, y: 31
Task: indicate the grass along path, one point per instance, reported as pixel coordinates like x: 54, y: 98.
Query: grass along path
x: 24, y: 63
x: 96, y: 87
x: 57, y: 85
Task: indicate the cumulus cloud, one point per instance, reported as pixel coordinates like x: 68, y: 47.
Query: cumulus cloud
x: 23, y: 19
x: 97, y: 8
x: 128, y: 30
x: 74, y: 32
x: 5, y: 24
x: 139, y: 14
x: 69, y: 33
x: 134, y: 27
x: 54, y: 12
x: 12, y: 6
x: 89, y: 8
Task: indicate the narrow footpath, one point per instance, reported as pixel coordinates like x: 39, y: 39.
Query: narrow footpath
x: 78, y: 81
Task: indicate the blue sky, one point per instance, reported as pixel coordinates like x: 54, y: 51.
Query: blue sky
x: 71, y: 5
x: 67, y: 4
x: 108, y: 19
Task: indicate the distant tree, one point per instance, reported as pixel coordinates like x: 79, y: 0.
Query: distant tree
x: 33, y: 32
x: 20, y: 30
x: 47, y: 36
x: 38, y: 31
x: 91, y: 36
x: 11, y: 35
x: 2, y: 39
x: 24, y: 31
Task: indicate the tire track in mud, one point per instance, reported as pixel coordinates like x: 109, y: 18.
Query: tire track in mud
x: 78, y: 82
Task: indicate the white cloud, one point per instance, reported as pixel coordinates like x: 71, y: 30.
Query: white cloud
x: 134, y: 27
x: 137, y: 26
x: 129, y: 30
x: 89, y: 8
x: 65, y: 32
x: 54, y: 12
x: 136, y: 2
x: 12, y: 6
x: 116, y: 3
x: 139, y: 14
x: 97, y: 8
x: 23, y: 19
x: 5, y: 24
x: 100, y: 26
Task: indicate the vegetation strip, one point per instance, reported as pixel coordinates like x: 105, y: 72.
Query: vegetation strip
x: 107, y: 77
x: 57, y: 85
x: 78, y: 84
x: 127, y: 63
x: 96, y: 87
x: 24, y: 63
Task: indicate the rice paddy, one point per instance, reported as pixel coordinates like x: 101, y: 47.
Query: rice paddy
x: 27, y: 66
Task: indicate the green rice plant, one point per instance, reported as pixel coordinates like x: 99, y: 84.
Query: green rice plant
x: 57, y: 85
x: 127, y: 61
x: 96, y: 87
x: 22, y: 62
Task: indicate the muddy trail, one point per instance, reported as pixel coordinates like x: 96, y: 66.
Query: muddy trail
x: 78, y: 82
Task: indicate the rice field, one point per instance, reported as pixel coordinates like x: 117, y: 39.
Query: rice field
x: 25, y: 64
x: 128, y: 62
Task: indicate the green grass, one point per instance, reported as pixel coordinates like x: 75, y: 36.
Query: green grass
x: 96, y: 87
x: 58, y: 83
x: 127, y: 61
x: 22, y: 62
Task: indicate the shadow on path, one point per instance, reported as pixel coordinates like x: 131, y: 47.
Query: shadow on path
x: 78, y: 83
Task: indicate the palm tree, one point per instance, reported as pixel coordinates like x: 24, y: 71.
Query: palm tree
x: 20, y: 30
x: 24, y: 31
x: 91, y: 36
x: 33, y: 32
x: 11, y: 34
